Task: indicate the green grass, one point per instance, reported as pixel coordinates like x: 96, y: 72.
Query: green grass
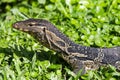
x: 87, y: 22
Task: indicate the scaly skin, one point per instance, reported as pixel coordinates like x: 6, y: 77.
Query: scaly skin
x: 79, y: 57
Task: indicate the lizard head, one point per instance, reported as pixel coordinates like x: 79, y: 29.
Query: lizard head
x: 32, y: 25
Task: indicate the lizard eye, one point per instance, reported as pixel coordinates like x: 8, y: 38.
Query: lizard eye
x: 30, y: 24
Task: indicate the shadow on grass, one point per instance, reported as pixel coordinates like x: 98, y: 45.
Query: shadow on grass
x: 40, y: 55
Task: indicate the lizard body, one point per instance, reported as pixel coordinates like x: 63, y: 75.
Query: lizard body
x: 78, y: 56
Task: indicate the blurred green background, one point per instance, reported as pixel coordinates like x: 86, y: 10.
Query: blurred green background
x: 94, y: 23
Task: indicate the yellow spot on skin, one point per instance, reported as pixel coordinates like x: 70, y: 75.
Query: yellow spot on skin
x: 33, y: 23
x: 21, y: 29
x: 26, y: 30
x: 78, y: 55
